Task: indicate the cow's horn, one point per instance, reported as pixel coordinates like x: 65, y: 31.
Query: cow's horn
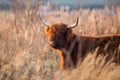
x: 73, y: 25
x: 44, y: 22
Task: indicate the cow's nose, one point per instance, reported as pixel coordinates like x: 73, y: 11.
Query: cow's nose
x: 53, y: 44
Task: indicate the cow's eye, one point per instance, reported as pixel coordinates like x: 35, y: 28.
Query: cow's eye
x: 64, y: 33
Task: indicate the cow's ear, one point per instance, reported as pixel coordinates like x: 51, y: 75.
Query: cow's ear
x: 69, y: 34
x: 69, y: 31
x: 46, y: 29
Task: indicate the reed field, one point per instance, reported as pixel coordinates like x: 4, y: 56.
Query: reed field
x: 26, y: 55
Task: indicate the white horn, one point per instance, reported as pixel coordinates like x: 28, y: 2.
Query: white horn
x: 44, y: 22
x: 73, y: 25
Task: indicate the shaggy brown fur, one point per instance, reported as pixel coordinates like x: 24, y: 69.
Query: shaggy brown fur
x: 72, y: 48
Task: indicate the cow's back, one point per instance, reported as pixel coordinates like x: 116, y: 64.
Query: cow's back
x: 106, y: 45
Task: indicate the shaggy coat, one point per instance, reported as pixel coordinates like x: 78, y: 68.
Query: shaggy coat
x: 73, y: 48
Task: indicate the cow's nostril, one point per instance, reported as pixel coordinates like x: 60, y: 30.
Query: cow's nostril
x: 53, y: 44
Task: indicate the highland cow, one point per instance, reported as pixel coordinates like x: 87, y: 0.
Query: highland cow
x: 73, y: 48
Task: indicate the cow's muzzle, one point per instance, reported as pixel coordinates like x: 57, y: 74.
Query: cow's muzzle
x: 53, y: 44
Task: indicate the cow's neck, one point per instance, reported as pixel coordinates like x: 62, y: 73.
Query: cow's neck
x: 73, y: 49
x: 69, y: 53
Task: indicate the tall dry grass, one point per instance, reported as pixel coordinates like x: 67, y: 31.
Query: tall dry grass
x: 25, y: 54
x: 91, y: 69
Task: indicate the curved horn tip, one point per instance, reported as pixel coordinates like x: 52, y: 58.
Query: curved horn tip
x: 77, y: 20
x: 44, y: 22
x: 75, y: 24
x: 77, y: 17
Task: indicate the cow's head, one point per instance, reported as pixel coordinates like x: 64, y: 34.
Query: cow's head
x: 59, y: 34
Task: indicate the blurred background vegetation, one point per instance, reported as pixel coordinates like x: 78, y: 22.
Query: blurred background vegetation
x: 8, y: 4
x: 25, y: 53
